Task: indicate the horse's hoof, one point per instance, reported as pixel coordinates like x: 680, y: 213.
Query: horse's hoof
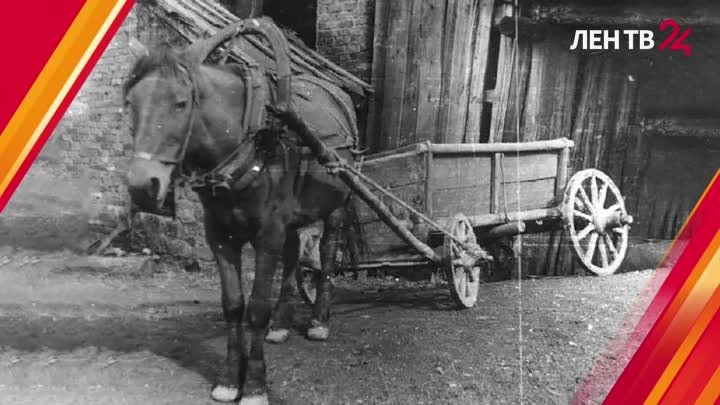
x: 277, y: 336
x: 319, y: 332
x: 222, y: 393
x: 254, y: 400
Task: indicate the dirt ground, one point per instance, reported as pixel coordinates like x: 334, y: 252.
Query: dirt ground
x: 77, y: 330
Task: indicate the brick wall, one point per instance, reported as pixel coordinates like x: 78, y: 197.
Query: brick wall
x: 345, y: 34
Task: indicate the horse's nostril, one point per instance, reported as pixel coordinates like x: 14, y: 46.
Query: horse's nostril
x: 153, y: 187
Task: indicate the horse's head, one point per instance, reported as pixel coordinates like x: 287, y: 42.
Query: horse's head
x: 162, y: 100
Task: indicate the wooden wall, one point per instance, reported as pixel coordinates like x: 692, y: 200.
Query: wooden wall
x: 429, y: 66
x: 442, y: 72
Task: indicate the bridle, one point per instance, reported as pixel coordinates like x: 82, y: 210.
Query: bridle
x: 180, y: 158
x: 241, y: 159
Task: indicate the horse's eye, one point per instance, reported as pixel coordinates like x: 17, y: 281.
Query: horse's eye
x: 180, y: 105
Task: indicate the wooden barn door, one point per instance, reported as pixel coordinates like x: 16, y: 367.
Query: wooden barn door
x: 429, y: 67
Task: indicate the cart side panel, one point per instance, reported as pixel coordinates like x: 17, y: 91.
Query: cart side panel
x: 530, y: 180
x: 405, y: 176
x: 483, y: 183
x: 460, y: 183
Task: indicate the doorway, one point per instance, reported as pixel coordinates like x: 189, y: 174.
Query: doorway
x: 298, y: 15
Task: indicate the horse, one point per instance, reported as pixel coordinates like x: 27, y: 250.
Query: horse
x: 191, y: 117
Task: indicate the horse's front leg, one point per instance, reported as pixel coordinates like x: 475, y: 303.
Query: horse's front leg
x: 228, y: 258
x: 268, y: 251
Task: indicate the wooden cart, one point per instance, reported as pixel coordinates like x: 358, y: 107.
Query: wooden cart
x: 439, y: 198
x: 481, y: 192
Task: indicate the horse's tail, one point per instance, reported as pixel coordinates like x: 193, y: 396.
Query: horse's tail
x: 353, y: 234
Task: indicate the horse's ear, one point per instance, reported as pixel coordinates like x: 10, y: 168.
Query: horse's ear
x: 138, y: 48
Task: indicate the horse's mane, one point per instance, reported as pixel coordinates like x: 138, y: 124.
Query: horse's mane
x: 163, y: 60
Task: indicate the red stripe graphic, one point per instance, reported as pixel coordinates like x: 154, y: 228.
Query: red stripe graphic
x: 32, y: 30
x: 662, y: 342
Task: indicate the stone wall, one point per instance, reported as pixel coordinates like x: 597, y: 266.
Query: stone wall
x: 345, y: 34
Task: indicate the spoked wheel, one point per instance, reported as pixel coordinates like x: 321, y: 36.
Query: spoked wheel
x: 463, y: 281
x: 306, y: 283
x: 597, y: 221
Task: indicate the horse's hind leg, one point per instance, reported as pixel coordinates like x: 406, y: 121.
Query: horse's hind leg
x: 332, y: 235
x: 283, y: 314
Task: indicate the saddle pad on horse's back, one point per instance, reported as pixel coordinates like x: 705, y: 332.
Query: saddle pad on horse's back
x: 326, y: 109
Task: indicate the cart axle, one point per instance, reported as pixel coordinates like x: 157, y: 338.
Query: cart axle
x: 607, y: 221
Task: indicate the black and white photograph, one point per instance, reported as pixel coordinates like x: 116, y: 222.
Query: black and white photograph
x: 360, y: 202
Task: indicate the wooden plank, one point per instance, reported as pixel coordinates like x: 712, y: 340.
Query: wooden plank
x: 429, y: 69
x: 395, y: 72
x: 448, y: 46
x: 618, y: 142
x: 411, y: 194
x: 529, y: 195
x: 635, y: 159
x: 378, y: 74
x: 408, y: 169
x: 502, y: 83
x: 513, y: 216
x: 427, y: 203
x: 460, y: 71
x: 562, y: 172
x: 497, y: 162
x: 502, y: 90
x: 518, y: 98
x: 530, y: 166
x: 590, y: 73
x: 461, y: 171
x: 604, y: 101
x: 536, y: 91
x: 481, y: 50
x: 474, y: 200
x: 413, y: 80
x: 509, y: 147
x: 563, y: 84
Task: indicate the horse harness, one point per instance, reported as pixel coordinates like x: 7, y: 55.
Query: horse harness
x: 247, y: 161
x: 264, y: 136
